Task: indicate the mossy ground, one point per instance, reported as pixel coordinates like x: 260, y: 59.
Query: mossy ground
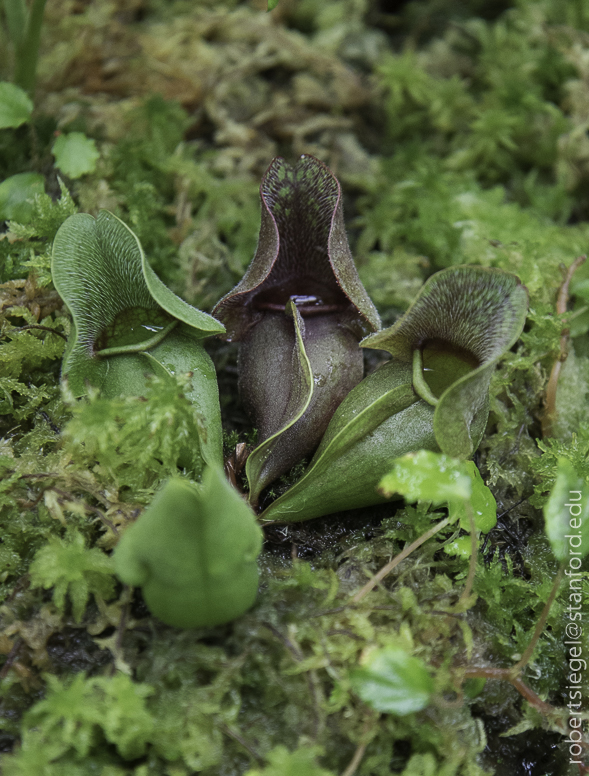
x: 459, y: 134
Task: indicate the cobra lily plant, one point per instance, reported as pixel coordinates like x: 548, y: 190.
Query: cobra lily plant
x: 433, y: 394
x: 127, y: 324
x: 299, y: 313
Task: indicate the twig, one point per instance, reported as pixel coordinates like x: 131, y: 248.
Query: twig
x: 361, y: 748
x: 397, y: 559
x: 44, y: 328
x: 472, y: 566
x: 11, y: 657
x: 523, y: 661
x: 356, y: 760
x: 549, y: 416
x: 310, y: 675
x: 506, y: 674
x: 237, y: 737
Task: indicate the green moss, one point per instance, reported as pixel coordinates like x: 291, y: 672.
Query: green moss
x: 458, y: 133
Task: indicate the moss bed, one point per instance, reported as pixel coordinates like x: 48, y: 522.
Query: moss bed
x: 458, y: 132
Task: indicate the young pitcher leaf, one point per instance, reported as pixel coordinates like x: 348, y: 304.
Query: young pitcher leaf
x: 126, y: 323
x: 303, y: 261
x: 566, y: 514
x: 193, y: 552
x: 393, y: 682
x: 432, y: 395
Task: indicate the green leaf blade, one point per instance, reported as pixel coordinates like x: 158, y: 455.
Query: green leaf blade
x: 566, y: 514
x: 17, y: 194
x: 16, y: 106
x: 393, y: 682
x: 75, y: 154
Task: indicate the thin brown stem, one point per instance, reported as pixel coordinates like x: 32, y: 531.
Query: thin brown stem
x: 356, y: 760
x: 373, y: 581
x: 361, y: 748
x: 230, y: 733
x: 525, y: 658
x: 43, y: 328
x: 472, y: 567
x: 11, y: 657
x: 506, y: 674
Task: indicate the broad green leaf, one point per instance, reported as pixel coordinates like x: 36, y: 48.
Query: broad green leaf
x: 193, y: 552
x: 303, y: 261
x: 127, y: 324
x: 367, y: 425
x: 75, y: 154
x: 566, y: 515
x: 393, y: 682
x: 16, y: 106
x: 391, y: 413
x: 17, y: 194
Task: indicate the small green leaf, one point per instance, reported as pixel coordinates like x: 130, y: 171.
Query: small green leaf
x: 435, y: 477
x: 17, y: 194
x: 427, y: 476
x: 473, y: 687
x: 566, y: 514
x: 193, y: 552
x: 272, y: 4
x: 482, y: 503
x: 393, y: 682
x: 301, y: 762
x: 75, y: 154
x: 16, y: 106
x: 460, y: 547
